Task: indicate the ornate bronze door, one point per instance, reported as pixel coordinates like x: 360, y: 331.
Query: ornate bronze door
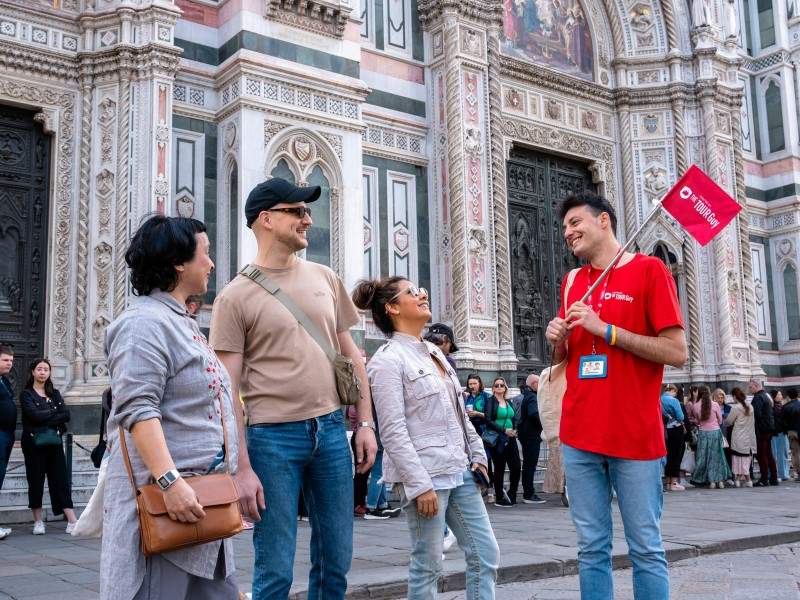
x: 537, y: 183
x: 24, y: 169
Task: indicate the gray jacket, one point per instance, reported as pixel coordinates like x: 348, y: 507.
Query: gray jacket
x: 161, y: 367
x: 422, y: 427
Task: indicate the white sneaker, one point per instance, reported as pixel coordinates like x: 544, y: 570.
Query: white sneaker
x: 70, y: 528
x: 449, y: 540
x: 38, y: 528
x: 4, y: 532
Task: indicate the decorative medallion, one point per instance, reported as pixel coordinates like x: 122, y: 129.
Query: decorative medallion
x: 589, y: 121
x: 230, y: 135
x: 651, y: 124
x: 302, y: 148
x: 552, y: 109
x: 785, y: 247
x: 514, y: 99
x: 184, y: 206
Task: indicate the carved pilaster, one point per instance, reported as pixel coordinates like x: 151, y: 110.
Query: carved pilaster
x: 81, y: 280
x: 725, y: 337
x: 499, y: 199
x: 628, y: 199
x: 121, y: 224
x: 455, y: 161
x: 744, y: 237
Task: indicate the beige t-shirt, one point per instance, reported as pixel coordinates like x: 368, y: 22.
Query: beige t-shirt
x: 285, y: 374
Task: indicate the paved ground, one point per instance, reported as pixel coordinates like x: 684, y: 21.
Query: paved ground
x: 771, y: 573
x: 536, y: 541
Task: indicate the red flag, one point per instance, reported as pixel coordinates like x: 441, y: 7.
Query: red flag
x: 700, y: 205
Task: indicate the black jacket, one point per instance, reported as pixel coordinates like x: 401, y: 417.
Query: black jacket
x: 764, y: 416
x: 8, y: 410
x: 529, y: 425
x: 790, y: 417
x: 490, y: 414
x: 39, y: 415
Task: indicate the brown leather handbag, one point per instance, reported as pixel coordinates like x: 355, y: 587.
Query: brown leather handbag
x: 216, y: 493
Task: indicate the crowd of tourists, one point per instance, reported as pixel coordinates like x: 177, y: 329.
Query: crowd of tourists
x: 712, y: 439
x: 251, y: 418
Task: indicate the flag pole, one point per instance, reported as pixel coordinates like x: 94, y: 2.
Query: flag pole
x: 656, y: 210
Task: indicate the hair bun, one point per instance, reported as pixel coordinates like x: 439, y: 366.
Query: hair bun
x: 364, y: 293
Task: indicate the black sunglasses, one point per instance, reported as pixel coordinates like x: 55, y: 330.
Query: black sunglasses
x: 499, y: 385
x: 297, y: 211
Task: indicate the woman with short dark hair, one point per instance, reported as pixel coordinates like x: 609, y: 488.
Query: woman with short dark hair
x: 44, y: 421
x: 431, y: 451
x: 169, y: 392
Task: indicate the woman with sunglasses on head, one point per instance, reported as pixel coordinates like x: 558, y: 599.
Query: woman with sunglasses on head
x: 498, y: 417
x: 431, y: 451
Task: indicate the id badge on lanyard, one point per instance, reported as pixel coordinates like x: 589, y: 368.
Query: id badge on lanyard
x: 594, y: 365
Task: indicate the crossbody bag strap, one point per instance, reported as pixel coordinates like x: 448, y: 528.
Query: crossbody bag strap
x: 273, y: 288
x: 127, y: 460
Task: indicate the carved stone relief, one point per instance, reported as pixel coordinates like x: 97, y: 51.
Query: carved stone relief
x: 319, y: 16
x: 472, y: 42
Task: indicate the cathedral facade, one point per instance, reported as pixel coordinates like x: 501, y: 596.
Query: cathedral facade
x: 443, y: 133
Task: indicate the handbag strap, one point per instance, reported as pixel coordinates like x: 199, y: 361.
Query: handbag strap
x: 127, y: 460
x: 255, y: 274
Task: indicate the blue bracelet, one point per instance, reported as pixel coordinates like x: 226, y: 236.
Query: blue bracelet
x: 608, y: 334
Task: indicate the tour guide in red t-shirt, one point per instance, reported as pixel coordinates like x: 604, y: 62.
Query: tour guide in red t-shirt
x: 616, y: 346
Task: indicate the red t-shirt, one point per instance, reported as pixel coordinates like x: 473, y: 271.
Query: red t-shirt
x: 620, y: 415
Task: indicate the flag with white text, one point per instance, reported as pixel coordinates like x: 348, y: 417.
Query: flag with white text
x: 700, y: 205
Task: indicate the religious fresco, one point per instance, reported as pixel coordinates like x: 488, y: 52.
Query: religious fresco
x: 550, y: 32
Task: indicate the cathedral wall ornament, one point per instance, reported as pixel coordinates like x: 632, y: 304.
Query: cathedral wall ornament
x: 326, y: 17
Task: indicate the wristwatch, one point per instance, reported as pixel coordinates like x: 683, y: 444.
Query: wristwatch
x: 167, y: 479
x: 370, y: 424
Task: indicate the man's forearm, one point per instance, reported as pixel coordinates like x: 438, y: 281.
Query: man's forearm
x: 364, y: 405
x: 664, y: 350
x: 238, y: 411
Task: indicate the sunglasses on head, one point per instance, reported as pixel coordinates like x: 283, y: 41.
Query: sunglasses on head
x: 413, y: 290
x: 297, y: 211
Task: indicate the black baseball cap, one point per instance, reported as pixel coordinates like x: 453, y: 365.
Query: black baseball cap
x: 274, y: 191
x: 442, y: 329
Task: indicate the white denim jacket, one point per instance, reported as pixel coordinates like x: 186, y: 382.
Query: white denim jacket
x: 418, y: 420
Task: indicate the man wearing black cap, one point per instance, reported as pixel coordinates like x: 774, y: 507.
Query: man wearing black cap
x: 442, y: 335
x: 296, y: 436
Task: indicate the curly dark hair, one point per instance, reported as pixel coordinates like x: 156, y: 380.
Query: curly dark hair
x: 373, y: 295
x: 158, y: 246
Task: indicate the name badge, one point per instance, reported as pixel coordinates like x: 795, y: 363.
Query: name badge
x: 593, y: 366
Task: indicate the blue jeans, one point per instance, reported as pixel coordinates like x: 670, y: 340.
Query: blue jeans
x: 463, y: 511
x: 780, y: 448
x: 590, y: 478
x: 6, y: 444
x: 376, y: 492
x: 313, y: 454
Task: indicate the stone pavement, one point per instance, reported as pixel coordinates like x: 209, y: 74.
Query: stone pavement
x: 536, y: 542
x: 771, y: 573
